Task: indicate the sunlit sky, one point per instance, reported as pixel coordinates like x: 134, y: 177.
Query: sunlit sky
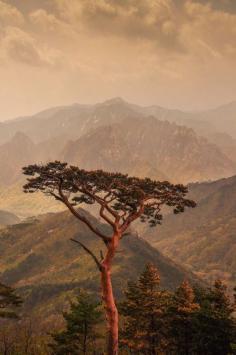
x: 172, y: 53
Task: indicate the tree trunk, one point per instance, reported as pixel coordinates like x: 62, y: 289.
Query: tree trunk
x: 108, y: 298
x: 85, y: 338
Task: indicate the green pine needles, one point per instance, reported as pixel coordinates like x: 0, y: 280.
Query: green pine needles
x: 82, y: 328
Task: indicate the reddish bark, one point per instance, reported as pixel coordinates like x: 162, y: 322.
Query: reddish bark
x: 108, y: 297
x: 122, y: 200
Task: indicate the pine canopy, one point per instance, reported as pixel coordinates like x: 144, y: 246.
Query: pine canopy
x: 122, y: 198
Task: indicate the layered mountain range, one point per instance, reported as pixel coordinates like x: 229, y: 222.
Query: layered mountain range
x: 76, y: 119
x: 115, y: 135
x: 163, y: 144
x: 164, y: 150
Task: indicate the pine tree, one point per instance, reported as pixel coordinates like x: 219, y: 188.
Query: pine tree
x: 9, y: 302
x: 182, y: 313
x: 121, y: 200
x: 80, y: 334
x: 215, y: 324
x: 143, y: 310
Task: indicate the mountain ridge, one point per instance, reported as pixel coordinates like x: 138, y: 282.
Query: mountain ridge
x: 39, y: 255
x: 194, y: 119
x: 175, y: 151
x: 8, y: 218
x: 204, y: 240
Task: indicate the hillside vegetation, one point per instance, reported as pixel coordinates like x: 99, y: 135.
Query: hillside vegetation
x: 40, y: 260
x: 204, y: 239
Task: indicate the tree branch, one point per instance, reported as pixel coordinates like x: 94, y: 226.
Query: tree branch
x: 132, y: 217
x: 101, y: 255
x: 106, y: 218
x: 99, y: 265
x: 102, y: 202
x: 104, y: 205
x: 83, y: 218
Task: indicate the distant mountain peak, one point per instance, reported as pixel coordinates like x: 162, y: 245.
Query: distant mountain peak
x: 227, y: 106
x: 8, y: 218
x: 21, y: 138
x: 114, y: 101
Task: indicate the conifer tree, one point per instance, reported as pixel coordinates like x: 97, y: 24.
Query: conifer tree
x: 80, y: 334
x: 144, y: 311
x: 9, y: 302
x: 215, y: 327
x: 121, y: 200
x: 182, y: 313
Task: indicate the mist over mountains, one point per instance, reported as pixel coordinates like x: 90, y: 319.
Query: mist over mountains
x: 220, y: 119
x: 191, y: 148
x: 7, y: 218
x: 160, y: 143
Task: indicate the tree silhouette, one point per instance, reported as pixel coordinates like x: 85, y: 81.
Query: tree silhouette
x: 9, y: 301
x: 121, y: 200
x: 215, y: 323
x: 144, y: 310
x: 80, y: 332
x: 183, y: 309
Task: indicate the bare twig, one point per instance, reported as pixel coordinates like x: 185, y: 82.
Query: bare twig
x: 101, y: 255
x: 99, y: 265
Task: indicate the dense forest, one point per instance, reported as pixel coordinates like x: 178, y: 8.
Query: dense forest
x: 189, y: 320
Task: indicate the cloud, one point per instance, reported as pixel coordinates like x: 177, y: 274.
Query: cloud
x: 183, y: 27
x: 173, y: 25
x: 20, y: 46
x: 172, y: 52
x: 177, y: 27
x: 153, y: 20
x: 208, y: 31
x: 10, y: 15
x: 19, y: 43
x: 224, y: 5
x: 48, y: 23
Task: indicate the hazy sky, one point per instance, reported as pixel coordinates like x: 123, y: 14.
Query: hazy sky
x: 174, y: 53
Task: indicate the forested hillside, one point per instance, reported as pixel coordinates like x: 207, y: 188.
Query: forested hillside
x: 39, y: 259
x: 204, y: 239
